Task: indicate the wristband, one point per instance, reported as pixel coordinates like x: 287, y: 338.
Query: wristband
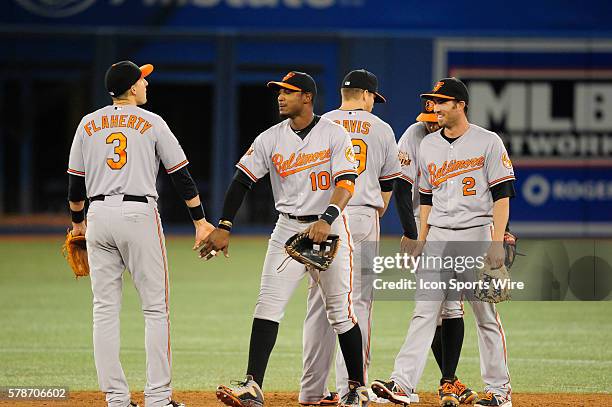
x: 196, y: 212
x: 225, y: 225
x: 330, y: 214
x: 77, y: 216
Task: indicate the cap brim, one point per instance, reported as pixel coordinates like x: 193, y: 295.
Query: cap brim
x: 436, y: 95
x: 146, y: 70
x: 427, y: 117
x: 276, y: 85
x: 378, y: 98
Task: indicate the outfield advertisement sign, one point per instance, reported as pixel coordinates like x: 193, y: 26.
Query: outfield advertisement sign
x: 551, y: 102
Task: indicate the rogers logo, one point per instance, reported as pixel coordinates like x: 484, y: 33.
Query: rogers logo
x: 55, y: 8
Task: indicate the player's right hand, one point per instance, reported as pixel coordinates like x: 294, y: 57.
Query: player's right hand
x: 202, y: 230
x: 79, y: 229
x: 418, y: 248
x: 216, y: 241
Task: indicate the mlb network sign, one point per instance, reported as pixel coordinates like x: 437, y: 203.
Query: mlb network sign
x: 551, y: 102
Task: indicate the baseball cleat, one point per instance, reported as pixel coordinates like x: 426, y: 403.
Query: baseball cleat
x: 493, y: 400
x: 243, y: 394
x: 448, y: 394
x: 390, y: 391
x: 331, y: 400
x: 357, y: 396
x: 466, y: 395
x: 174, y: 404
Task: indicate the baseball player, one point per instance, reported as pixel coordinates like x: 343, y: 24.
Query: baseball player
x: 465, y: 186
x: 376, y: 152
x: 450, y: 329
x: 312, y: 170
x: 114, y: 161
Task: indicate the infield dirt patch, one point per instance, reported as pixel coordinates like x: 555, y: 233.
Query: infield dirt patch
x: 206, y: 399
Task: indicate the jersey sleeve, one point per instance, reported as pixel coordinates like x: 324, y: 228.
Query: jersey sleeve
x: 76, y: 163
x: 498, y: 167
x: 342, y: 154
x: 391, y: 165
x: 407, y: 158
x: 254, y: 162
x: 425, y: 186
x: 169, y: 150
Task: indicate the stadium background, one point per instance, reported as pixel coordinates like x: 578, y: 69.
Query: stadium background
x: 539, y: 73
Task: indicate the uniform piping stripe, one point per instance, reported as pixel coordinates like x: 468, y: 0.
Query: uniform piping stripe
x: 75, y: 172
x: 247, y: 172
x: 371, y: 305
x: 407, y: 178
x: 425, y: 191
x: 177, y: 166
x: 163, y: 252
x: 350, y: 245
x: 334, y: 176
x: 391, y: 176
x: 497, y: 181
x: 503, y: 336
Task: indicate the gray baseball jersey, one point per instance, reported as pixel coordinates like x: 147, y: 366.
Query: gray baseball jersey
x: 459, y: 176
x: 408, y: 146
x: 118, y: 149
x: 375, y: 152
x: 302, y: 172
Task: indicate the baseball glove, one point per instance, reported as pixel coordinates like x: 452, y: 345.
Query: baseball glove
x: 302, y: 249
x: 510, y: 248
x: 490, y: 290
x: 75, y: 252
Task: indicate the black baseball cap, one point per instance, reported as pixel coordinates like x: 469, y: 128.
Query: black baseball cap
x: 122, y: 75
x: 362, y: 79
x: 449, y: 88
x: 427, y: 112
x: 297, y: 81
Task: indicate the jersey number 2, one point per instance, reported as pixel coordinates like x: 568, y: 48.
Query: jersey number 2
x: 361, y: 154
x: 468, y: 186
x: 117, y: 162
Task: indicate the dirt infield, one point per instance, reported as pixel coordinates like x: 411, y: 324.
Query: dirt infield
x: 205, y: 399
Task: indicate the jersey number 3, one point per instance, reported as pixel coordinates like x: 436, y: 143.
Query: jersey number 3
x: 118, y: 161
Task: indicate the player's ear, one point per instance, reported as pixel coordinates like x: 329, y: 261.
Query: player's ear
x: 307, y: 97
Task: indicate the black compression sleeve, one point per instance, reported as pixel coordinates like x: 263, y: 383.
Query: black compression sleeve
x: 348, y: 177
x: 426, y: 199
x: 235, y: 194
x: 76, y: 188
x: 503, y: 190
x: 387, y: 185
x: 183, y: 184
x: 403, y: 199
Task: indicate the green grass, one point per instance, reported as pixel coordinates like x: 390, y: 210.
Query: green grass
x: 45, y: 337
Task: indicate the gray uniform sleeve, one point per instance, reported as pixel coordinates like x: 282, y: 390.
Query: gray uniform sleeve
x: 391, y: 166
x: 169, y: 150
x: 254, y: 162
x: 498, y: 167
x: 407, y: 158
x: 342, y: 153
x: 425, y: 186
x: 76, y: 163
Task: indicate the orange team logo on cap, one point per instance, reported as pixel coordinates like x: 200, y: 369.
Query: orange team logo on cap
x: 506, y: 161
x: 429, y: 106
x: 288, y: 76
x: 438, y: 86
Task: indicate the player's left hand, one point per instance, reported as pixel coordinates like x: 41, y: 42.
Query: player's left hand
x: 496, y: 255
x: 407, y: 245
x: 202, y: 230
x: 215, y: 242
x: 318, y: 231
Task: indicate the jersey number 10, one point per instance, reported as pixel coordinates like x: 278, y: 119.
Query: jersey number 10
x: 118, y: 161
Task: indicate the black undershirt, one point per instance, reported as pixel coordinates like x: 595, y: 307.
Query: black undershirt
x: 304, y: 132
